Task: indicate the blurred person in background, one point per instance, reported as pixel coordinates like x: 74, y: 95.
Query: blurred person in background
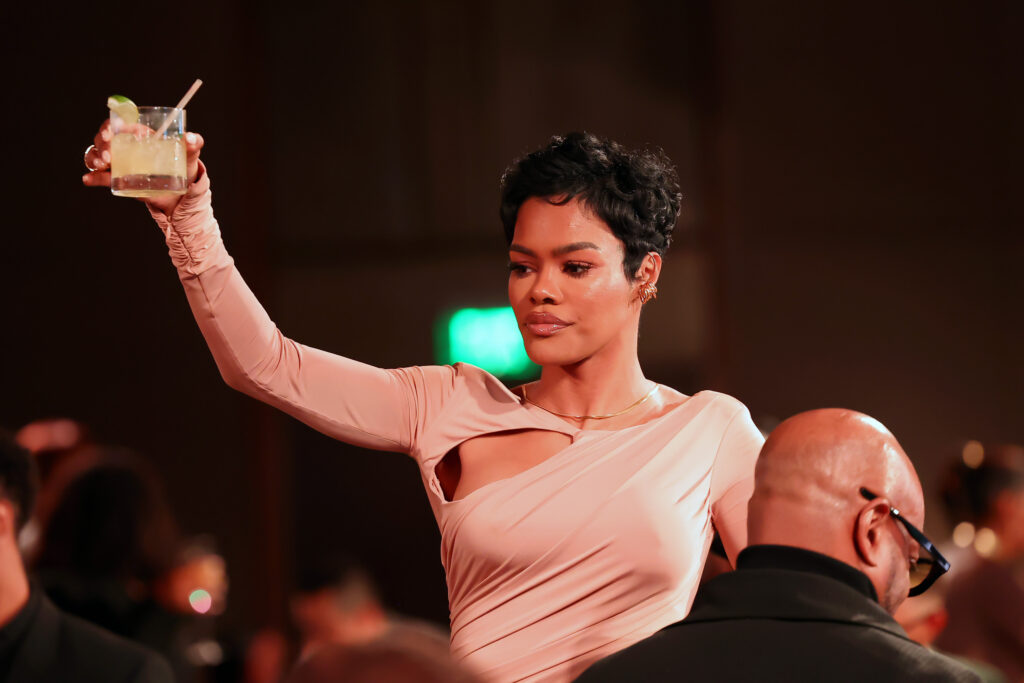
x: 984, y: 493
x: 52, y: 442
x: 337, y: 602
x: 377, y: 662
x: 925, y: 616
x: 336, y: 606
x: 109, y: 544
x: 551, y: 497
x: 197, y: 581
x: 195, y: 590
x: 38, y: 642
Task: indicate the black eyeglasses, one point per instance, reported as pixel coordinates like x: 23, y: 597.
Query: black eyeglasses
x: 926, y: 570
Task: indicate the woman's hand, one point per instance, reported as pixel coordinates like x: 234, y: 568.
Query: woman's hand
x: 97, y: 160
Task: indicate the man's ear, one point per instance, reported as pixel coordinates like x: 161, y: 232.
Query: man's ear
x: 650, y: 268
x: 869, y: 531
x: 8, y: 519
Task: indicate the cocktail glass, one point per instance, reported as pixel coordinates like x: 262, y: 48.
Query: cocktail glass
x: 145, y: 162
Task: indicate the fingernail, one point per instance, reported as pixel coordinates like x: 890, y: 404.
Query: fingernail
x: 191, y: 138
x: 85, y: 178
x: 105, y: 134
x: 106, y: 157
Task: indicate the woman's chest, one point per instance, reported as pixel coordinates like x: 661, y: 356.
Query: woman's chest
x: 617, y: 501
x: 491, y: 458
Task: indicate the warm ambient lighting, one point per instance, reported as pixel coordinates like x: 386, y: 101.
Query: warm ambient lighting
x: 963, y: 534
x: 986, y: 542
x: 488, y: 338
x: 973, y: 454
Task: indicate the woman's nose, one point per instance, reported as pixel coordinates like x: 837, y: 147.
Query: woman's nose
x: 544, y: 290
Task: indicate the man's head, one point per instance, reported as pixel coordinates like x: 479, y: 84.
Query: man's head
x: 807, y: 494
x: 17, y: 487
x: 376, y: 662
x: 336, y: 602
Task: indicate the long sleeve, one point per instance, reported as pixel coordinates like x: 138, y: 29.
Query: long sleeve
x: 732, y: 481
x: 345, y: 399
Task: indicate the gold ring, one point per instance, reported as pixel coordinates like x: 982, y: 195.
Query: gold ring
x: 85, y: 157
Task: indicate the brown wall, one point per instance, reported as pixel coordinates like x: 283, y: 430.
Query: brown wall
x: 872, y: 243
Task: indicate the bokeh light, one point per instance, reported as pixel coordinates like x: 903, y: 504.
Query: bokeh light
x: 986, y: 542
x: 963, y: 534
x: 973, y: 454
x: 488, y: 338
x: 200, y: 600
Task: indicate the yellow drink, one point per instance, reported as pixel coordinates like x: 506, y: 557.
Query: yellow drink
x: 144, y: 164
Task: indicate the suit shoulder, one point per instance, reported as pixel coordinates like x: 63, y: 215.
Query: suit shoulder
x: 914, y: 661
x: 95, y: 654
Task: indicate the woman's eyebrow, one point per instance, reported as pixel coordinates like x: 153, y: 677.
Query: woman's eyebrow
x: 575, y: 246
x: 558, y: 251
x: 521, y: 249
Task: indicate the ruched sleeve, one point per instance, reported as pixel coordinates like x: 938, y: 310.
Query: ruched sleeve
x: 347, y: 400
x: 732, y: 481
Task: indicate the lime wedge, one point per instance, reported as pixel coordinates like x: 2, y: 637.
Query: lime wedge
x: 124, y: 108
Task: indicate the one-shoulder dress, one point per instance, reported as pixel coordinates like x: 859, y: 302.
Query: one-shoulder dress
x: 549, y: 570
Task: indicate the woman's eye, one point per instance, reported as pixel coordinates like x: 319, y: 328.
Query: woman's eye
x: 517, y: 268
x: 577, y: 269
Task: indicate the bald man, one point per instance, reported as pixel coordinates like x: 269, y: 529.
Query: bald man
x: 829, y: 560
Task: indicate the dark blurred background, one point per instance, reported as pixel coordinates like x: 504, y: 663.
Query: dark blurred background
x: 851, y: 235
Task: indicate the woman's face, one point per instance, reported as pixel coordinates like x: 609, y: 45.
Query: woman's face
x: 567, y: 285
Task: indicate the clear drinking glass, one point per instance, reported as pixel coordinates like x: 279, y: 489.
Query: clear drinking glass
x: 145, y: 162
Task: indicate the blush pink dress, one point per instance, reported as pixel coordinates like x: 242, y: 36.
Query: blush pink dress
x: 549, y: 570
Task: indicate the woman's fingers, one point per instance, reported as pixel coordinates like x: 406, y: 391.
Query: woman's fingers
x: 103, y: 136
x: 96, y: 179
x: 193, y: 145
x: 97, y: 158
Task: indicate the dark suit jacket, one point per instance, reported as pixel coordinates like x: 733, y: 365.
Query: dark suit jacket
x: 47, y: 645
x: 785, y: 614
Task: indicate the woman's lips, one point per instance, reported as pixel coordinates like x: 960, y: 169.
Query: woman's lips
x: 545, y: 324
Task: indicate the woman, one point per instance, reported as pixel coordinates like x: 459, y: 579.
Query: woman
x: 576, y: 511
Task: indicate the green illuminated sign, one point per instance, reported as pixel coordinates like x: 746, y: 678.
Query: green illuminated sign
x: 488, y: 338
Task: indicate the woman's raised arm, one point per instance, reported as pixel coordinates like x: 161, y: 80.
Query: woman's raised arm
x: 345, y: 399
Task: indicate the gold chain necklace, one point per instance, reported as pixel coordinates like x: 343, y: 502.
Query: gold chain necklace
x: 594, y: 417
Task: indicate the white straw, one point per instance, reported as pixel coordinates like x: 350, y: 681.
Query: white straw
x: 181, y: 105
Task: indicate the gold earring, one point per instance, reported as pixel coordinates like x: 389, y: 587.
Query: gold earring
x: 647, y: 291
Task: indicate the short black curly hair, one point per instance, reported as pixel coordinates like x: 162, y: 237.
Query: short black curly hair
x: 636, y: 193
x: 18, y: 477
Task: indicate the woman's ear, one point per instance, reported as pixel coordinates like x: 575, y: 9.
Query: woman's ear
x: 870, y: 530
x: 650, y: 268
